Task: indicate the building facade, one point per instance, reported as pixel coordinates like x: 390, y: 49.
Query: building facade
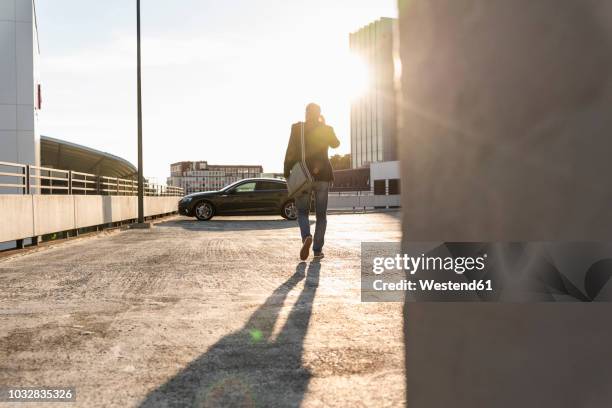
x: 385, y: 178
x: 196, y: 176
x: 20, y: 91
x: 373, y: 114
x: 351, y: 180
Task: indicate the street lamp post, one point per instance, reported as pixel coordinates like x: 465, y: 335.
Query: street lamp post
x: 139, y: 108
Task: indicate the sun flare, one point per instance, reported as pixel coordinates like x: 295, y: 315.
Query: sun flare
x: 356, y: 76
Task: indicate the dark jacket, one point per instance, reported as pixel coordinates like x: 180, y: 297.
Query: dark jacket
x: 318, y: 139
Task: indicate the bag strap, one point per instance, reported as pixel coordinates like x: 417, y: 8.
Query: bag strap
x: 303, y: 143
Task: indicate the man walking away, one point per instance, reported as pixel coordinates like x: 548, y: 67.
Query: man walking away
x: 318, y: 138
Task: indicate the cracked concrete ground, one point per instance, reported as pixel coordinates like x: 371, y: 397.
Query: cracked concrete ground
x: 218, y: 313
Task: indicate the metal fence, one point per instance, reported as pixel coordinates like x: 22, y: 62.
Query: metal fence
x: 351, y: 193
x: 28, y: 179
x: 358, y: 201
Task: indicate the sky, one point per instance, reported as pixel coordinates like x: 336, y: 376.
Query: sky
x: 222, y: 80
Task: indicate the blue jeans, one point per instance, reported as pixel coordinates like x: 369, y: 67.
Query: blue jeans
x: 302, y: 202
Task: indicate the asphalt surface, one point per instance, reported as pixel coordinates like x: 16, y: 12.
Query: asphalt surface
x: 218, y: 313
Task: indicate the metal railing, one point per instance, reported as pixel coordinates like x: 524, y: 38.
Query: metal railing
x: 18, y: 177
x: 351, y: 193
x: 29, y: 179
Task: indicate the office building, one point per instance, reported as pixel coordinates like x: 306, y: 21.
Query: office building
x: 20, y: 90
x: 195, y: 176
x: 373, y: 113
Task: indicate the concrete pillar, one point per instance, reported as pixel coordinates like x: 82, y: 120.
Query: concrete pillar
x: 505, y: 135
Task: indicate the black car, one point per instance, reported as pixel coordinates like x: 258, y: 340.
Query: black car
x: 245, y: 197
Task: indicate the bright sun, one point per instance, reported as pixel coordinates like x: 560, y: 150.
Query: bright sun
x: 344, y: 78
x: 355, y: 76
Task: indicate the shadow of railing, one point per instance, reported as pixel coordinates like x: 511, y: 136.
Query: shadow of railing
x: 249, y: 368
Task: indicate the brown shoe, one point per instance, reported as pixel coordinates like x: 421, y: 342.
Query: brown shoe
x: 319, y: 255
x: 305, y: 248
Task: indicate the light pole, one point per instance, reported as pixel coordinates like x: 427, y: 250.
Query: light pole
x: 139, y: 108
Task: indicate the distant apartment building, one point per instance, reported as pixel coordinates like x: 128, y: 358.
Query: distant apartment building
x: 195, y: 176
x: 373, y: 114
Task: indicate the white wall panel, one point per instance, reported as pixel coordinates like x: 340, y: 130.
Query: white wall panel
x: 25, y: 64
x: 8, y: 145
x: 7, y: 10
x: 8, y: 117
x: 25, y: 117
x: 26, y: 147
x: 8, y: 73
x: 23, y: 10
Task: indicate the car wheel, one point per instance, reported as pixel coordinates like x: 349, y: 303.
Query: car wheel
x: 289, y: 210
x: 204, y: 211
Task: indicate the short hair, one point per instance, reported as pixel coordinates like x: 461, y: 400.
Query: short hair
x: 313, y: 107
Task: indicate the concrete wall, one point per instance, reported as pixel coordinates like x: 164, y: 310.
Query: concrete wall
x: 90, y: 210
x: 25, y: 216
x: 17, y: 220
x: 51, y: 213
x: 505, y: 135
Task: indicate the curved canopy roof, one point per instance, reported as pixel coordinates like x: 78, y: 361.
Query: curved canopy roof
x: 64, y: 155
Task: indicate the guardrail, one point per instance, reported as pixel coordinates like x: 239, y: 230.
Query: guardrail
x: 351, y: 193
x: 358, y: 201
x: 29, y: 179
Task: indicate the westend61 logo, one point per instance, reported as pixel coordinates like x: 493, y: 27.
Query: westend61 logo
x: 412, y: 264
x: 424, y: 272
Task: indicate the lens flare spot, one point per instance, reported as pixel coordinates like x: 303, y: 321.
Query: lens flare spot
x: 256, y: 335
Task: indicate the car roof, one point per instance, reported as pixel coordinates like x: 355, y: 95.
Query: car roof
x: 264, y: 179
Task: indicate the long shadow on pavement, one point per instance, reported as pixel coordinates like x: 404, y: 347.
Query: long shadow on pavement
x: 248, y: 368
x: 229, y: 224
